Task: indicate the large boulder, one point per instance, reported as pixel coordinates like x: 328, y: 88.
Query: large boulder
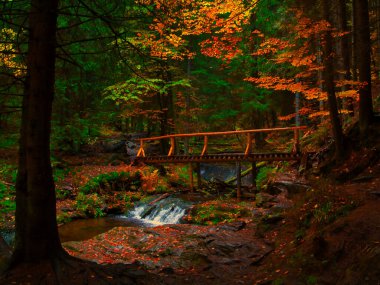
x: 289, y: 187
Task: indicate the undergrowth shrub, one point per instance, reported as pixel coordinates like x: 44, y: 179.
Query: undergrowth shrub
x: 63, y: 218
x: 130, y: 198
x: 91, y: 205
x: 8, y: 141
x: 153, y: 183
x: 317, y: 138
x: 74, y: 133
x: 263, y: 176
x: 7, y: 198
x: 179, y: 175
x: 113, y: 181
x: 62, y: 194
x: 327, y: 212
x: 7, y: 191
x: 8, y: 173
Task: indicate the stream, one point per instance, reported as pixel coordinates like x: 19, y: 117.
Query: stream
x: 145, y: 214
x: 166, y: 211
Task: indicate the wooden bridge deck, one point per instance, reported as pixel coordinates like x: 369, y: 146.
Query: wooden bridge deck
x: 227, y: 157
x: 248, y: 155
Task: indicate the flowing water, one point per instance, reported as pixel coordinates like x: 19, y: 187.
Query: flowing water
x: 166, y: 211
x: 147, y: 214
x: 78, y: 230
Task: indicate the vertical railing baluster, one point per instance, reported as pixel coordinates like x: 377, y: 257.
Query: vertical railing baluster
x: 141, y: 151
x: 204, y: 150
x: 172, y: 145
x: 248, y: 148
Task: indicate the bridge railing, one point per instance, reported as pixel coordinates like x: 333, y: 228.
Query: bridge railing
x: 206, y: 135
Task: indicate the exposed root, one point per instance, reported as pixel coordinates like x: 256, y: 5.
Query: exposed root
x: 67, y: 270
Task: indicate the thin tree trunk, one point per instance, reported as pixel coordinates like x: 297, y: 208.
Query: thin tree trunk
x: 345, y: 51
x: 354, y: 44
x: 363, y: 54
x: 377, y: 24
x: 36, y: 227
x: 187, y: 110
x: 257, y: 115
x: 345, y: 40
x: 328, y: 75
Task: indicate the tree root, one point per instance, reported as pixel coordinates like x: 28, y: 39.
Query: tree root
x: 67, y: 270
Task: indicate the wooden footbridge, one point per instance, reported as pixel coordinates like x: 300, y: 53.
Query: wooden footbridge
x: 246, y: 155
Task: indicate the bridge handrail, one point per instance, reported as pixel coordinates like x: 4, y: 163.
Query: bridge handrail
x: 222, y: 133
x: 172, y: 137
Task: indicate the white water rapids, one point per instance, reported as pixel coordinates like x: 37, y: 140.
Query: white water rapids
x: 166, y: 211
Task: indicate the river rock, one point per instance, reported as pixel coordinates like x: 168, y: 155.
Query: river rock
x: 198, y: 259
x: 182, y: 246
x: 235, y: 226
x: 230, y: 261
x: 292, y: 187
x: 277, y: 189
x: 262, y: 199
x: 283, y: 205
x: 259, y: 212
x: 167, y: 270
x: 131, y: 148
x: 223, y: 248
x: 281, y: 202
x: 272, y: 219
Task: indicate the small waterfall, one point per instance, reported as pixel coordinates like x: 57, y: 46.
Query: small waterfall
x: 166, y: 211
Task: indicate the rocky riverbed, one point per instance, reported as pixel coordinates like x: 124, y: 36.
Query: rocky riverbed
x: 214, y: 252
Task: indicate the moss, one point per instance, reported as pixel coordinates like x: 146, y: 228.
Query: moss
x: 113, y: 181
x: 216, y: 212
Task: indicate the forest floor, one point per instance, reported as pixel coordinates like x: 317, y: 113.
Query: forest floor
x: 329, y: 235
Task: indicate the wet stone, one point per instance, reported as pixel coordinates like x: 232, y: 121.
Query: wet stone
x: 236, y: 226
x: 230, y: 261
x: 272, y: 219
x: 292, y: 188
x: 222, y: 248
x: 167, y: 270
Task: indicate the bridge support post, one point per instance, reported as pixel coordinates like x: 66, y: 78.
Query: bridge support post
x: 238, y: 179
x: 199, y: 176
x: 296, y: 147
x: 191, y: 177
x: 254, y: 175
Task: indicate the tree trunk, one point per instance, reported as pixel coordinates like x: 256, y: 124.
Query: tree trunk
x: 377, y: 19
x: 187, y: 110
x: 36, y: 227
x: 328, y: 75
x: 344, y: 40
x: 363, y: 55
x: 344, y: 52
x: 257, y: 115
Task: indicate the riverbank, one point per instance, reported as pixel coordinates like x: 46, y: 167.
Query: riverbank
x: 323, y: 230
x: 329, y: 235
